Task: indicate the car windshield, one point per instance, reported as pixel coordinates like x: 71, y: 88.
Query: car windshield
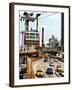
x: 39, y: 71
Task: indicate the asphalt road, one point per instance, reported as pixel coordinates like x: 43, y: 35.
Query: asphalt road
x: 40, y: 64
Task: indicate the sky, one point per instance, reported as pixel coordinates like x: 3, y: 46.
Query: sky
x: 50, y: 21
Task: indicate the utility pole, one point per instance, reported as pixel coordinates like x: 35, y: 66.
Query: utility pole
x: 22, y: 46
x: 62, y: 30
x: 42, y: 37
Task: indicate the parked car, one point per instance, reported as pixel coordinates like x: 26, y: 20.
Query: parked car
x: 21, y: 73
x: 59, y: 69
x: 55, y: 60
x: 49, y: 71
x: 39, y: 73
x: 61, y: 74
x: 34, y: 55
x: 51, y: 64
x: 21, y: 76
x: 60, y: 55
x: 46, y: 59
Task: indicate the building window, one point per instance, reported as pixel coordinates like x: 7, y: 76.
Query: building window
x: 27, y: 35
x: 32, y: 35
x: 37, y: 36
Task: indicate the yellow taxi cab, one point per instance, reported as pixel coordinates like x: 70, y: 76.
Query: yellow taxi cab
x: 59, y: 69
x: 39, y: 73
